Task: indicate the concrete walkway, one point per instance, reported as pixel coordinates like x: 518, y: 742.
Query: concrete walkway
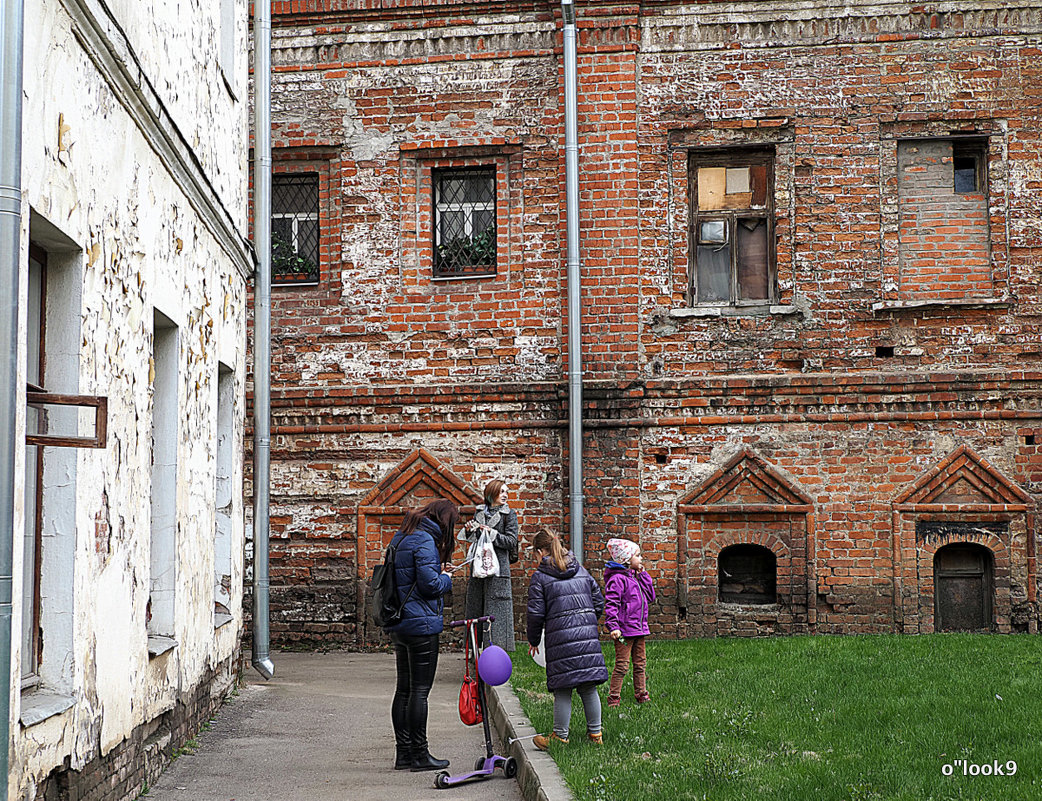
x: 321, y: 730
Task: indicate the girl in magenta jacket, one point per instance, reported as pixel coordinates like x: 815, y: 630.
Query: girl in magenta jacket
x: 629, y: 592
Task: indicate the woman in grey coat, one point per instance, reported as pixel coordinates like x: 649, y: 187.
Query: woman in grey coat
x: 493, y: 596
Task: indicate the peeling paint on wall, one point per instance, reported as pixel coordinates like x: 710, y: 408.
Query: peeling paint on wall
x: 119, y: 226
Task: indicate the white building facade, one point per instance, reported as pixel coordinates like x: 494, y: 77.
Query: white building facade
x: 128, y: 560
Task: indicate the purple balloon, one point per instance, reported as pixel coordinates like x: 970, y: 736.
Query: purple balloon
x: 494, y: 666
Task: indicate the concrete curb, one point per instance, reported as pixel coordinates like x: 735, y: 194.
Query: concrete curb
x: 537, y: 773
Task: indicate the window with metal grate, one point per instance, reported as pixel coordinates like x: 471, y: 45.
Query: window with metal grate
x: 294, y: 229
x: 464, y: 222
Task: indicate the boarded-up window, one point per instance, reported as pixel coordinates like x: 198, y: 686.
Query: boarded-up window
x: 748, y: 574
x: 944, y: 240
x: 732, y: 235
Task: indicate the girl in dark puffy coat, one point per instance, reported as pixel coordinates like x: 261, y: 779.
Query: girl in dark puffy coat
x: 424, y: 545
x: 565, y: 602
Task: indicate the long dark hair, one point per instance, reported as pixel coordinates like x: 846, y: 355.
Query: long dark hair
x: 442, y: 512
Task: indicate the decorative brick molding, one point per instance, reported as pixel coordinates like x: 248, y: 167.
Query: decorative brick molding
x: 746, y: 501
x: 963, y: 488
x: 417, y: 480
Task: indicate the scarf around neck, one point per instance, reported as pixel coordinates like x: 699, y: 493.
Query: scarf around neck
x: 491, y: 516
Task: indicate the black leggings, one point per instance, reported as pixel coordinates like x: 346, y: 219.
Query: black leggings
x: 416, y: 658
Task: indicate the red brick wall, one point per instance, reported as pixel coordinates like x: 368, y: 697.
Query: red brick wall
x: 888, y: 348
x: 945, y: 243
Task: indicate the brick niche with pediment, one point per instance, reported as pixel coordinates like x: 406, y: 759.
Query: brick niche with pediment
x: 964, y: 500
x: 746, y: 502
x: 419, y: 479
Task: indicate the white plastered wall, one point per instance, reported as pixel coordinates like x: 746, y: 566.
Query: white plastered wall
x: 94, y: 174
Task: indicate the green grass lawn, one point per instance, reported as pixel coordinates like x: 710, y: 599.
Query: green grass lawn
x: 811, y: 719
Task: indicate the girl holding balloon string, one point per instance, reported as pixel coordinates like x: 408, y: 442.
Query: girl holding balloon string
x: 565, y: 602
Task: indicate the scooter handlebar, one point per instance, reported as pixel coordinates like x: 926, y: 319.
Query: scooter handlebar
x: 469, y: 620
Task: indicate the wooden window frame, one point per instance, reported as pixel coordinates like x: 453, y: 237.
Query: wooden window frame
x: 99, y: 403
x: 731, y: 157
x: 39, y: 255
x: 37, y: 396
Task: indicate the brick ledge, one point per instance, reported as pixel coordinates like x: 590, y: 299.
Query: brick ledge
x: 965, y: 303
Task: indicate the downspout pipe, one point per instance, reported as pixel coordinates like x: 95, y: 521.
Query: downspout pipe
x: 11, y: 45
x: 261, y: 333
x: 575, y: 381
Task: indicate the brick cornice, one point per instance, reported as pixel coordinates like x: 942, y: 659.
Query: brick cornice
x: 947, y: 389
x: 673, y: 25
x: 287, y: 13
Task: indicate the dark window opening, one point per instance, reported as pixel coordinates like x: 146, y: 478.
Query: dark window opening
x: 732, y: 234
x: 748, y: 574
x: 660, y: 458
x: 968, y: 159
x: 294, y: 229
x: 464, y: 223
x: 884, y: 351
x: 1029, y: 439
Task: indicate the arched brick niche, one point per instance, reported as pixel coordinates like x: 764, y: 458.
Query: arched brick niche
x: 419, y: 479
x: 963, y: 500
x: 746, y: 502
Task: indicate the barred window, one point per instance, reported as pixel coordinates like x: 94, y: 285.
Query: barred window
x: 732, y: 257
x: 464, y: 223
x: 294, y: 229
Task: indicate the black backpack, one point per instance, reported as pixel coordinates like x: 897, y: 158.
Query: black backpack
x: 383, y: 598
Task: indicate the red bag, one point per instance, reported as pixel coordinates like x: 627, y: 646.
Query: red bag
x: 469, y: 709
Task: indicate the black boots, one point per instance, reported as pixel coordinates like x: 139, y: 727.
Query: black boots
x: 424, y: 761
x: 404, y: 759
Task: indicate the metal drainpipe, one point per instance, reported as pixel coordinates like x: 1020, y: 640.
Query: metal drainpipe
x: 261, y: 331
x: 575, y: 381
x: 10, y: 251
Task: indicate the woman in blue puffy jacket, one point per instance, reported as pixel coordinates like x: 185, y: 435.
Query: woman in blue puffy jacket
x: 565, y: 602
x: 424, y: 545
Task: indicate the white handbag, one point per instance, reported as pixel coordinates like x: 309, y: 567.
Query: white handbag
x: 485, y: 563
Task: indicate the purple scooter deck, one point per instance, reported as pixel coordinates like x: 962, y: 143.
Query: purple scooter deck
x: 488, y: 768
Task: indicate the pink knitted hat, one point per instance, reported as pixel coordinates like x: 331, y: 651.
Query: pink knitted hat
x: 622, y: 550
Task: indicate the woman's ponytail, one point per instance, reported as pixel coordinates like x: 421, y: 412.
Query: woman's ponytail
x: 546, y: 540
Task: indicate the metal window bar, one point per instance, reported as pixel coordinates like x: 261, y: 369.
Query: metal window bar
x: 464, y: 223
x: 294, y: 229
